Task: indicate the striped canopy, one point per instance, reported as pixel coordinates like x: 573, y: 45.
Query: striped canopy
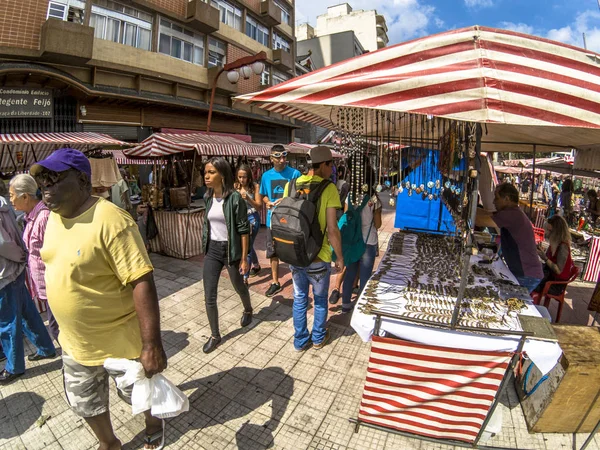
x: 18, y: 151
x: 527, y: 90
x: 165, y: 144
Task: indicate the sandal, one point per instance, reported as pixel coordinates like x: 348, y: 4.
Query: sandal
x: 157, y: 439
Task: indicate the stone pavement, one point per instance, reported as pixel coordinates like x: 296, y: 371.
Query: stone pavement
x: 254, y: 391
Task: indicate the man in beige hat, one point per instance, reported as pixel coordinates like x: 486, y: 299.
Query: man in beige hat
x: 318, y: 273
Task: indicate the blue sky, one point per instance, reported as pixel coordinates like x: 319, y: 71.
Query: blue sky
x: 560, y: 20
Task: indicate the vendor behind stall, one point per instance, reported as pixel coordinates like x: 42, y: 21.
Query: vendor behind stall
x: 516, y: 237
x: 594, y: 205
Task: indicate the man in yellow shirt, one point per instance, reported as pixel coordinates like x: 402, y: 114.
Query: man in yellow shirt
x: 101, y: 290
x: 318, y: 273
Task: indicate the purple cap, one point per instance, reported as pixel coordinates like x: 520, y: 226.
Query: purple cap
x: 64, y: 159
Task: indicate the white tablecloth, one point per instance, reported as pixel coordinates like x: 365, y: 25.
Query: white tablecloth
x: 544, y: 354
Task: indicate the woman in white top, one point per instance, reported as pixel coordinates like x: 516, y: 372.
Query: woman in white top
x: 225, y: 242
x: 249, y: 191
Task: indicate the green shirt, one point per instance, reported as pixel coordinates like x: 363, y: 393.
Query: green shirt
x: 329, y: 199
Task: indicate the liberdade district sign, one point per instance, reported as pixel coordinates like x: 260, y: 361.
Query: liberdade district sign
x: 26, y: 103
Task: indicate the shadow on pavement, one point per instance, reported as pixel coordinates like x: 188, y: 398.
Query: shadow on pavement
x: 213, y: 402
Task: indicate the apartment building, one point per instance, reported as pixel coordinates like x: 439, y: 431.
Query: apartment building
x: 369, y: 27
x: 130, y: 67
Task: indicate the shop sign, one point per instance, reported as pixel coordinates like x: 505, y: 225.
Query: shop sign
x: 26, y: 103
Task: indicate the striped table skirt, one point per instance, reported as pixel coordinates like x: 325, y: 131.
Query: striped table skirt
x: 433, y: 391
x: 179, y: 234
x: 592, y: 270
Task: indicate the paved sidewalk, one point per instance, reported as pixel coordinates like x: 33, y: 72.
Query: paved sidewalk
x: 253, y: 392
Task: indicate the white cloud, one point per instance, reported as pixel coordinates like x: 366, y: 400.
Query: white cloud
x: 518, y: 27
x: 406, y: 19
x: 479, y: 3
x: 573, y: 33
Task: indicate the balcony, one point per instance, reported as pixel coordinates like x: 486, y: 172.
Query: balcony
x: 202, y: 17
x: 66, y: 42
x: 382, y: 42
x: 283, y: 60
x: 223, y: 85
x: 270, y: 13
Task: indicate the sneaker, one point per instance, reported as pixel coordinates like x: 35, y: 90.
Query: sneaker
x: 324, y: 342
x: 38, y: 357
x: 348, y: 308
x: 273, y: 289
x: 305, y: 347
x: 334, y: 297
x: 254, y: 271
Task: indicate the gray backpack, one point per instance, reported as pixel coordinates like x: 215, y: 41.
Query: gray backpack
x: 295, y: 227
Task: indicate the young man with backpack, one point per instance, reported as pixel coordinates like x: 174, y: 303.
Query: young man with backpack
x: 304, y: 224
x: 272, y: 185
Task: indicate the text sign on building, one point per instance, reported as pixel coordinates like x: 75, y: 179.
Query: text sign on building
x: 23, y: 102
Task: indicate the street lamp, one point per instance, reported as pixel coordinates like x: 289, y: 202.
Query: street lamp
x: 246, y: 65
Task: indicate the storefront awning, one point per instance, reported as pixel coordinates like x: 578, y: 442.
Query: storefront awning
x: 19, y: 151
x: 165, y: 144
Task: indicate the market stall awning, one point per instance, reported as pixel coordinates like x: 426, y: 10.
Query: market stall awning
x: 19, y: 151
x: 564, y: 167
x: 526, y: 162
x: 298, y: 148
x: 527, y: 90
x: 165, y: 144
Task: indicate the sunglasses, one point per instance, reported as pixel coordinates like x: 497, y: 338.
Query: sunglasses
x: 279, y: 155
x: 48, y: 178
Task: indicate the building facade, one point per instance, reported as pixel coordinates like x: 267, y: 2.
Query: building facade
x: 369, y: 27
x: 330, y: 48
x: 131, y: 67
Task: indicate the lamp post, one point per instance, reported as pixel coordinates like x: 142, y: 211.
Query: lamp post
x: 246, y: 65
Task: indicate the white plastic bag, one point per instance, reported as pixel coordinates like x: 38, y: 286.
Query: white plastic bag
x: 167, y: 399
x: 158, y: 394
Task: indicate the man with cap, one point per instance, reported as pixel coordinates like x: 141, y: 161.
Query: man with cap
x: 272, y: 184
x: 18, y: 314
x: 101, y: 290
x: 318, y: 273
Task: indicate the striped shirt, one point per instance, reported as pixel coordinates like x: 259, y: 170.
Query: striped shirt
x: 33, y: 237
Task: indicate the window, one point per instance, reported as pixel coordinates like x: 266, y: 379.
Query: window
x: 180, y: 43
x: 129, y: 28
x: 257, y: 31
x: 279, y: 77
x: 264, y: 78
x: 216, y: 53
x: 70, y: 10
x: 230, y: 15
x: 286, y: 17
x: 280, y: 42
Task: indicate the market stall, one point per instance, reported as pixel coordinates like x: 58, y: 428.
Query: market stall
x: 178, y: 220
x: 435, y: 93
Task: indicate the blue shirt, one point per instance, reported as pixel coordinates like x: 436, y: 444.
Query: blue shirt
x: 272, y: 185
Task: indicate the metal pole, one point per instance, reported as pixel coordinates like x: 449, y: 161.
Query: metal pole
x: 532, y: 186
x: 212, y: 100
x: 470, y: 226
x: 590, y: 437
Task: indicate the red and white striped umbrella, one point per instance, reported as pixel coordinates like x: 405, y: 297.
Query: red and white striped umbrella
x: 164, y: 144
x: 528, y: 90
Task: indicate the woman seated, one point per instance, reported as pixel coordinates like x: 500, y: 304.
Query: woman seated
x: 558, y: 261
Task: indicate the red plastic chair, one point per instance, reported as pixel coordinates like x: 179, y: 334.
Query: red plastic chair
x: 546, y: 296
x: 538, y: 235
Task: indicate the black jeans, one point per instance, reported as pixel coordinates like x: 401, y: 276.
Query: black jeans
x: 214, y: 260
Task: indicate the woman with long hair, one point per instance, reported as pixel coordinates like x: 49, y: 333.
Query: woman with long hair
x: 249, y: 191
x: 225, y: 242
x: 369, y: 206
x: 558, y: 260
